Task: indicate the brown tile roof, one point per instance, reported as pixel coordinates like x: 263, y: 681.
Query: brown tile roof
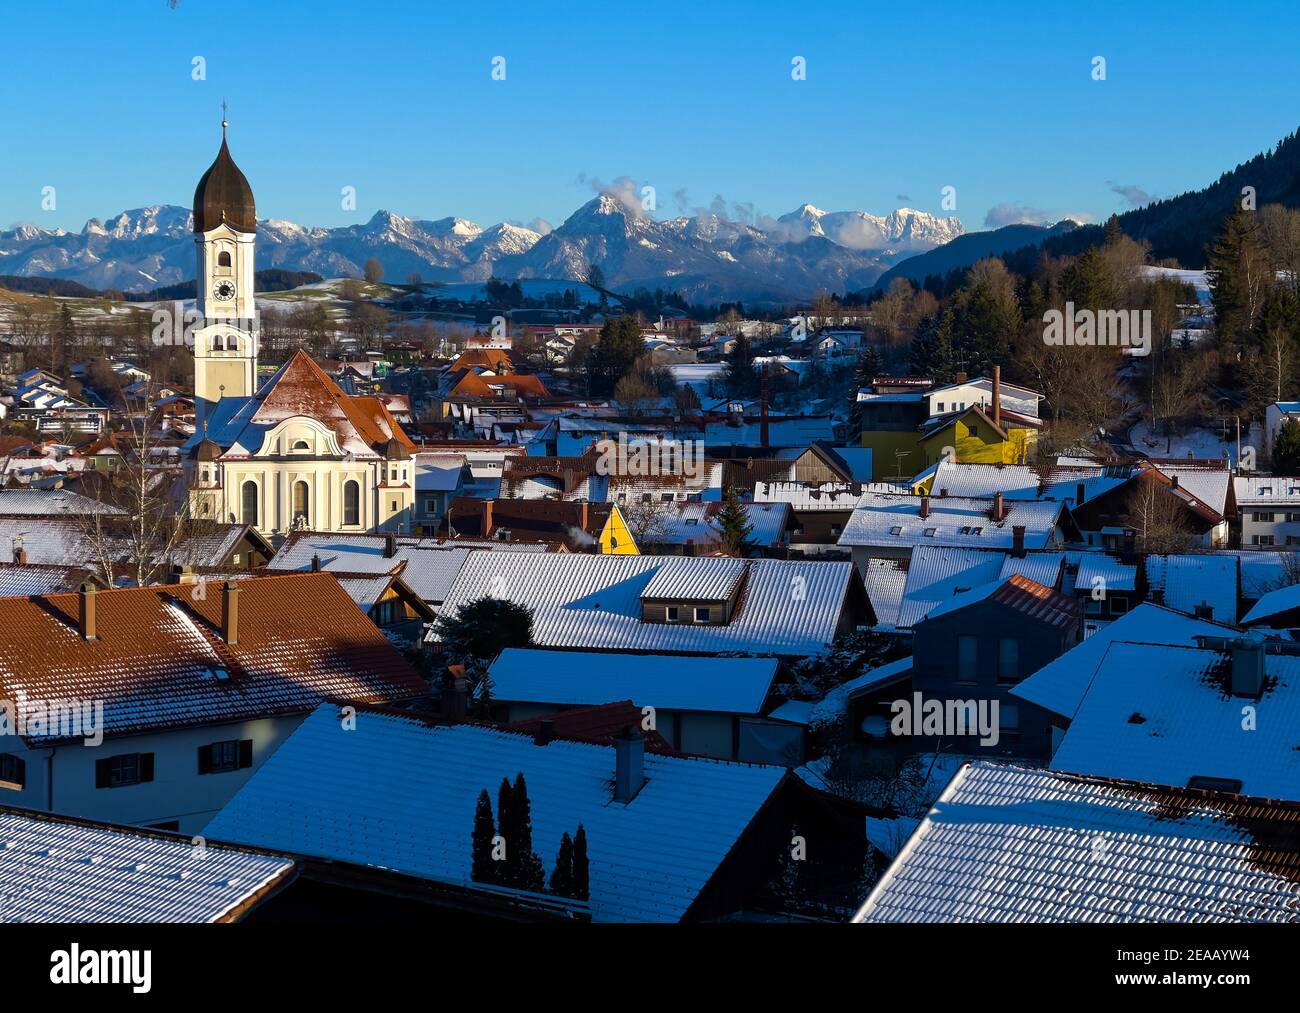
x: 1037, y: 601
x: 160, y: 660
x: 529, y: 519
x: 523, y: 384
x: 301, y: 387
x: 599, y: 725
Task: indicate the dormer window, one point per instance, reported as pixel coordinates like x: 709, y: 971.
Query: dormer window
x: 218, y: 344
x: 672, y: 614
x: 702, y: 615
x: 301, y: 446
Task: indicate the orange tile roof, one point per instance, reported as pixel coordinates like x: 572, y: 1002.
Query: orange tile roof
x: 301, y: 387
x: 160, y: 660
x: 475, y: 385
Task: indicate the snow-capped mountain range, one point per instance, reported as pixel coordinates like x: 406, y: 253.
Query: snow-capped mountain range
x: 706, y: 257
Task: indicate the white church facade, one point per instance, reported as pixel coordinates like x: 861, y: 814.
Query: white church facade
x: 298, y: 453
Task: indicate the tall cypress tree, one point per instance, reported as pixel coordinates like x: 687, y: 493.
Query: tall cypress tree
x: 482, y: 868
x: 508, y: 871
x: 562, y: 876
x: 581, y: 877
x: 529, y: 870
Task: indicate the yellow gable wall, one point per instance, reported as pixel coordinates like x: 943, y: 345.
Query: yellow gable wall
x: 975, y: 442
x: 615, y: 538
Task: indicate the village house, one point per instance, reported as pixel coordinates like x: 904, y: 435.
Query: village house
x: 151, y: 706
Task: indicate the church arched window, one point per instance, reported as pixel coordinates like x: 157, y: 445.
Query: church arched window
x: 223, y: 258
x: 351, y: 502
x: 218, y: 343
x: 249, y: 501
x: 301, y: 502
x: 232, y: 343
x: 301, y: 445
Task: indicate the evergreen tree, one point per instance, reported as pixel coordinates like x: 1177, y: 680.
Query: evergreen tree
x: 615, y: 353
x: 1286, y: 449
x: 739, y: 374
x: 562, y: 876
x: 531, y: 874
x: 482, y: 628
x: 1113, y: 230
x: 733, y: 523
x: 482, y: 868
x: 869, y: 367
x: 1239, y: 274
x: 581, y: 876
x: 1087, y: 282
x: 507, y: 872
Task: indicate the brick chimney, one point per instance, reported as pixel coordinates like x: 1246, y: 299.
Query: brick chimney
x: 487, y: 518
x: 959, y: 377
x: 230, y: 613
x: 390, y: 546
x: 86, y: 612
x: 455, y: 694
x: 999, y: 508
x: 1018, y: 541
x: 629, y: 764
x: 925, y: 506
x: 997, y: 396
x: 20, y: 554
x: 315, y: 562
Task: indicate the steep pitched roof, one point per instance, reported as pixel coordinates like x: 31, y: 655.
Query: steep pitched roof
x: 364, y: 425
x: 160, y: 660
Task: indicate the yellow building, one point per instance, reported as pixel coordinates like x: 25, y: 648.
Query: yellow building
x: 974, y: 437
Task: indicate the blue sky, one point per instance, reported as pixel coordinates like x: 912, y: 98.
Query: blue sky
x: 697, y: 100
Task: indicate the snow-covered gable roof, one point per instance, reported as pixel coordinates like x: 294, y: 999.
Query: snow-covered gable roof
x: 67, y: 541
x: 1012, y: 844
x: 1187, y: 581
x: 893, y: 520
x: 885, y: 581
x: 1284, y: 599
x: 1270, y: 490
x: 827, y: 496
x: 427, y: 565
x: 781, y: 432
x: 28, y: 579
x: 1210, y: 485
x: 1163, y: 714
x: 1114, y: 574
x: 47, y: 502
x: 580, y: 678
x: 56, y: 869
x: 595, y: 601
x: 1060, y: 685
x: 697, y: 523
x: 1020, y: 481
x: 401, y: 794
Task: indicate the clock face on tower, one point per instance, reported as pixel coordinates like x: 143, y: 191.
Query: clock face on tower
x: 224, y: 291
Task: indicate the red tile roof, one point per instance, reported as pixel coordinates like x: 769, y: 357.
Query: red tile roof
x: 599, y: 725
x: 1037, y: 601
x: 160, y: 660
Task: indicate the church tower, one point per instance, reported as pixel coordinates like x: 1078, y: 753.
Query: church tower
x: 226, y: 334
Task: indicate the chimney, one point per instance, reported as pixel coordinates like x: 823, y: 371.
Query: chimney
x: 959, y: 377
x: 762, y: 410
x: 390, y: 546
x: 584, y: 514
x: 925, y: 507
x: 20, y: 554
x: 86, y: 611
x: 487, y: 518
x: 1078, y: 494
x: 999, y: 511
x: 315, y: 562
x: 1204, y: 610
x: 1173, y: 481
x: 1248, y: 666
x: 943, y: 492
x: 1018, y: 541
x: 997, y: 396
x: 455, y: 694
x: 230, y: 613
x: 629, y: 764
x: 545, y: 732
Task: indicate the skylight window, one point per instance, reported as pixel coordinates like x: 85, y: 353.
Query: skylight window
x: 897, y: 529
x: 929, y: 532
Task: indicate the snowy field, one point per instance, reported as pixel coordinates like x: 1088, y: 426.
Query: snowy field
x: 1197, y: 443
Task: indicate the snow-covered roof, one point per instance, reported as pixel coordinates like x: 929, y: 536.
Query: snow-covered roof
x: 885, y: 581
x: 891, y: 520
x: 581, y: 678
x: 1262, y: 571
x: 1187, y: 581
x: 1021, y: 594
x: 696, y: 522
x: 1012, y: 844
x: 1059, y: 686
x: 1284, y: 599
x: 160, y: 661
x: 68, y: 541
x: 806, y: 498
x: 1208, y: 484
x: 595, y: 601
x: 1269, y: 490
x: 835, y: 703
x: 1020, y: 481
x: 56, y: 869
x: 47, y: 502
x: 400, y: 795
x: 781, y: 432
x: 438, y: 472
x: 28, y: 579
x: 430, y: 566
x: 1115, y: 575
x: 1162, y: 714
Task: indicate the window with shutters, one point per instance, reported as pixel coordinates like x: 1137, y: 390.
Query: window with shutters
x: 229, y: 754
x: 126, y: 769
x: 13, y: 772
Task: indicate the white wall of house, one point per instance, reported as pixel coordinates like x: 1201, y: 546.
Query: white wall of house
x: 1264, y: 526
x: 178, y: 792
